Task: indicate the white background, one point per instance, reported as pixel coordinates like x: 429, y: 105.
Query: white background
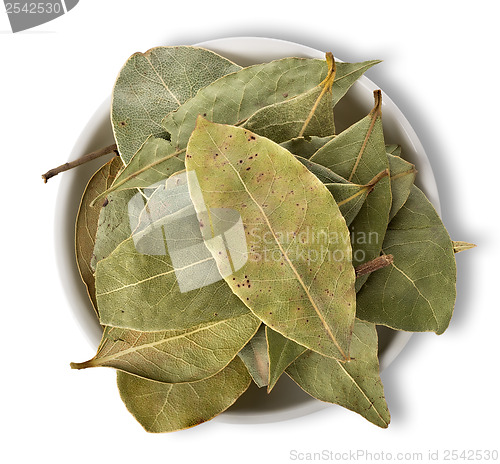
x: 441, y: 67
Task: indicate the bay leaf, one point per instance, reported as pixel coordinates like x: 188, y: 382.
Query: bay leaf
x: 417, y: 291
x: 355, y: 384
x: 282, y: 352
x: 154, y: 161
x: 402, y: 178
x: 351, y: 197
x: 150, y: 85
x: 254, y: 356
x: 459, y: 246
x: 325, y: 175
x: 307, y: 114
x: 162, y: 407
x: 358, y: 154
x: 162, y: 277
x: 287, y: 214
x: 176, y: 355
x: 305, y: 147
x: 87, y: 221
x: 234, y: 98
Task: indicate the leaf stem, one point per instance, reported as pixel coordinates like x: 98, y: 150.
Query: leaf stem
x: 79, y: 161
x: 373, y: 265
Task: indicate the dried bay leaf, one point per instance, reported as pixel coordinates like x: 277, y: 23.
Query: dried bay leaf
x: 235, y: 97
x: 309, y: 299
x: 417, y: 291
x: 150, y: 85
x: 305, y: 147
x: 358, y: 154
x: 282, y: 352
x: 402, y: 178
x: 307, y: 114
x: 176, y: 355
x: 162, y: 407
x: 87, y: 221
x: 355, y: 385
x: 351, y: 197
x: 325, y: 175
x: 254, y: 356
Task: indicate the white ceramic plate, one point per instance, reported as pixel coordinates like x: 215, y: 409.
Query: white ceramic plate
x: 286, y: 401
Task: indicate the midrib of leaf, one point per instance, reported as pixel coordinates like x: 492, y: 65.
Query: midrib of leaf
x: 162, y: 81
x: 100, y: 361
x: 155, y: 277
x: 419, y: 292
x: 292, y: 267
x: 374, y: 114
x: 359, y: 388
x: 405, y: 173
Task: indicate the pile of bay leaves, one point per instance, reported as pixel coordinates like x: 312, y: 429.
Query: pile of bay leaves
x: 238, y: 237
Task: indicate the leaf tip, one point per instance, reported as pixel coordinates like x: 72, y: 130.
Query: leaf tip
x: 459, y: 246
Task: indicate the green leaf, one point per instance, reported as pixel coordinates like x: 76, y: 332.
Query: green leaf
x: 162, y: 277
x: 235, y: 97
x: 305, y: 147
x: 358, y: 154
x: 351, y: 197
x: 154, y: 161
x: 355, y: 384
x: 282, y: 352
x: 307, y: 114
x: 152, y: 84
x: 417, y: 291
x: 163, y: 407
x: 87, y: 220
x: 254, y: 356
x: 294, y: 271
x: 462, y: 246
x: 176, y: 355
x: 325, y: 175
x: 402, y: 178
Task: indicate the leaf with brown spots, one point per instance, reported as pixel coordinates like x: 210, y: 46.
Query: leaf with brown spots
x: 294, y: 271
x: 307, y: 114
